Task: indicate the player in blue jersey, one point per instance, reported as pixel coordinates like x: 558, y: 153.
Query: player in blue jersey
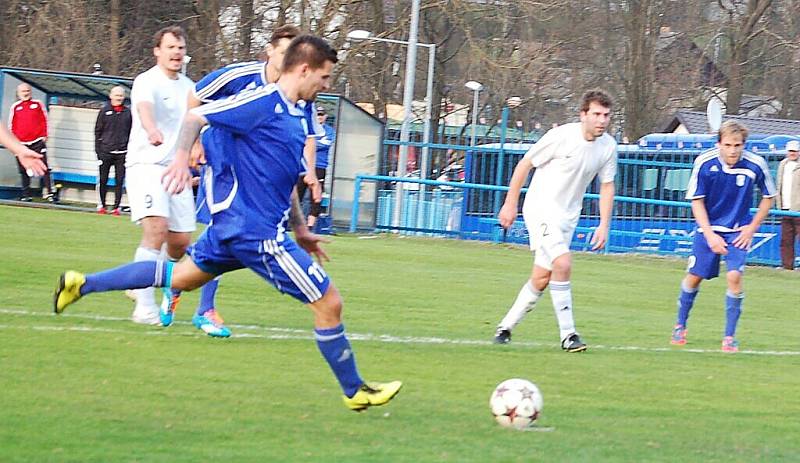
x: 224, y: 83
x: 721, y: 190
x: 260, y: 134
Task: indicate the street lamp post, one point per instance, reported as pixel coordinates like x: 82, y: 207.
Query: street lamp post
x: 476, y: 87
x: 405, y: 129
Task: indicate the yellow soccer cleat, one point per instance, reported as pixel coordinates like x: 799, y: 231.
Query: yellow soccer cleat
x: 68, y: 290
x: 372, y: 394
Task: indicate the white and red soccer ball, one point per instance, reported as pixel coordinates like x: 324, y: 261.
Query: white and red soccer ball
x: 516, y: 403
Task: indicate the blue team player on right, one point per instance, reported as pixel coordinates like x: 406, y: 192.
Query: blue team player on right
x: 721, y: 190
x: 260, y: 134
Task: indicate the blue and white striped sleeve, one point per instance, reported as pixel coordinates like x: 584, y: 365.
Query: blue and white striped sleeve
x: 226, y: 81
x: 764, y: 179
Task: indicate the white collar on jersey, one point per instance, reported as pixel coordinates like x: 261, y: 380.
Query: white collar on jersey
x: 294, y: 108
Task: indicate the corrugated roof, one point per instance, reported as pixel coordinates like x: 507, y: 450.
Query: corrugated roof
x: 696, y: 122
x: 69, y: 84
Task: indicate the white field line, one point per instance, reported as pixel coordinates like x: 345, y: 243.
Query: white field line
x: 292, y: 333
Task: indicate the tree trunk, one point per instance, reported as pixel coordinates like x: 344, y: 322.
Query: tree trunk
x: 246, y: 18
x: 113, y: 37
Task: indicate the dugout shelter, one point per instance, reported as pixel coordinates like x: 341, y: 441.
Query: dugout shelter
x: 72, y: 101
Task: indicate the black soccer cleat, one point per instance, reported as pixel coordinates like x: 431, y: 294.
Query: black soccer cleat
x: 502, y: 336
x: 573, y: 343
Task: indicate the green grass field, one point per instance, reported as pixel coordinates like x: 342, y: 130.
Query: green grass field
x: 92, y: 386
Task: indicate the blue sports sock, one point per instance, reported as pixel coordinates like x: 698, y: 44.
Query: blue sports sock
x: 335, y: 347
x: 135, y: 275
x: 733, y: 309
x: 207, y: 294
x: 685, y: 303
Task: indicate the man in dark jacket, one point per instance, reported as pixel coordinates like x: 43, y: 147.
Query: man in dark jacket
x: 111, y: 132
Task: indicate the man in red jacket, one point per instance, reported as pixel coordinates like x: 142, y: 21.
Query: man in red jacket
x: 27, y: 120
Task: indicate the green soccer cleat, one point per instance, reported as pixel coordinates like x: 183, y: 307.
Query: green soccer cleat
x: 372, y: 395
x: 68, y: 290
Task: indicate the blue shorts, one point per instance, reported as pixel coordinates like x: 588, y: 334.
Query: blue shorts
x: 284, y: 264
x: 705, y: 263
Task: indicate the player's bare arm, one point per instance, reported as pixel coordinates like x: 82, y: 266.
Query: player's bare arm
x: 304, y: 237
x: 29, y: 159
x: 715, y: 242
x: 600, y: 236
x: 508, y: 213
x: 310, y: 178
x: 177, y: 176
x: 746, y: 233
x: 146, y: 114
x: 197, y: 155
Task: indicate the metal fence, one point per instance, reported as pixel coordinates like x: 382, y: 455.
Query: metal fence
x: 643, y: 225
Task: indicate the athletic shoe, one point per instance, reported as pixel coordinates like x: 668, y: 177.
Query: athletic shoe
x: 678, y: 335
x: 169, y: 304
x: 729, y: 344
x: 573, y: 343
x: 49, y: 198
x: 372, y: 395
x: 101, y: 210
x: 211, y: 323
x: 115, y: 212
x: 144, y: 315
x: 130, y: 294
x: 26, y: 199
x: 68, y: 290
x: 502, y: 336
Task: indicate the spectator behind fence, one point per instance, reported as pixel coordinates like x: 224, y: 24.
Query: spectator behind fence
x: 111, y: 133
x: 324, y: 144
x: 788, y: 199
x: 27, y: 120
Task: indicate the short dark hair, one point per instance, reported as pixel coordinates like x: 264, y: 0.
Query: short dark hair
x: 287, y: 31
x: 308, y: 49
x: 730, y: 127
x: 177, y: 31
x: 596, y: 96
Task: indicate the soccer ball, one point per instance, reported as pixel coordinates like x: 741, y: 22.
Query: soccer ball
x: 516, y: 403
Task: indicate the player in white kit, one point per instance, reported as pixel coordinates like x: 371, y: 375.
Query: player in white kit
x: 566, y: 159
x: 158, y: 103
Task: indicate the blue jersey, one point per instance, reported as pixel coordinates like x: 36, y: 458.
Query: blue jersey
x: 224, y: 83
x: 324, y: 144
x: 259, y: 136
x: 727, y: 192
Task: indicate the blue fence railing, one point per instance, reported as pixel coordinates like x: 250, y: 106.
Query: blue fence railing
x: 660, y: 226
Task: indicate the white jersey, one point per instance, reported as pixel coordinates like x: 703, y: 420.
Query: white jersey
x: 169, y: 99
x: 565, y: 164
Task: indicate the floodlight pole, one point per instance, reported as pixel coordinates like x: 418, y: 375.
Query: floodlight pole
x: 408, y: 98
x: 426, y: 136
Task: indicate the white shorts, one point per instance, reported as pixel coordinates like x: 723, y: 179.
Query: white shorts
x: 549, y: 239
x: 148, y: 198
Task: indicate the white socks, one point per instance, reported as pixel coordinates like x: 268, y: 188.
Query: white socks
x: 526, y: 300
x: 561, y: 294
x: 145, y: 297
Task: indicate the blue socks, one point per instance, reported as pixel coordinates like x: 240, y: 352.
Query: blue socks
x: 685, y: 303
x: 207, y: 294
x: 135, y: 275
x: 733, y: 309
x: 335, y: 347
